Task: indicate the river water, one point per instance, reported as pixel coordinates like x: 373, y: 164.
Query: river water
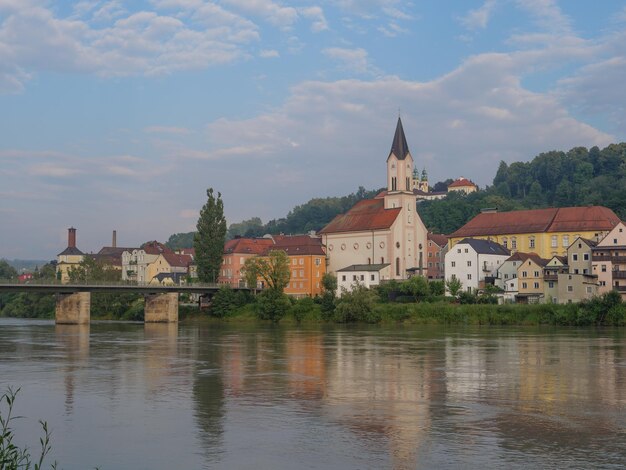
x: 191, y: 396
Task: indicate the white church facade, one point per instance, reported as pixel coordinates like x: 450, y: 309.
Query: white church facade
x: 386, y: 230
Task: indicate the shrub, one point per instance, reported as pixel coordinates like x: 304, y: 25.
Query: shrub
x: 357, y: 305
x: 301, y: 308
x: 272, y: 305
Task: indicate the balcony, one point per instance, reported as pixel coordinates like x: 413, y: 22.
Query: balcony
x: 619, y: 274
x: 550, y: 277
x: 613, y: 259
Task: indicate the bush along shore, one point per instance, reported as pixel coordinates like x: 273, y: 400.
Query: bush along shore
x: 409, y: 302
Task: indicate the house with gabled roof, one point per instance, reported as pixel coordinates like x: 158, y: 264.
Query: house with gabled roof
x: 462, y: 185
x: 506, y: 276
x: 474, y: 262
x: 609, y: 261
x: 236, y: 252
x: 383, y: 230
x: 530, y: 280
x: 547, y: 232
x: 368, y: 275
x: 136, y: 262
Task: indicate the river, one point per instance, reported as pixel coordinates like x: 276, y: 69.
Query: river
x: 193, y: 396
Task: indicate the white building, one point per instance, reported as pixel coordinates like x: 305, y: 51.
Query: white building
x: 472, y: 260
x: 367, y: 275
x: 383, y: 230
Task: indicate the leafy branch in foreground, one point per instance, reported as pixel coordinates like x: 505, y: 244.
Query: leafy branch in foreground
x: 13, y: 457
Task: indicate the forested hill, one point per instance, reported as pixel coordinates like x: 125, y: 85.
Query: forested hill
x: 312, y: 215
x: 553, y: 179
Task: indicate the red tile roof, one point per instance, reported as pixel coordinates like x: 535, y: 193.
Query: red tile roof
x: 520, y: 256
x: 177, y: 260
x: 439, y: 239
x: 461, y: 183
x: 298, y: 245
x: 369, y: 214
x: 564, y: 219
x: 155, y: 248
x: 254, y: 246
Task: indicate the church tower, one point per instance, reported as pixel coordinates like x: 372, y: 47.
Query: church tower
x: 399, y: 163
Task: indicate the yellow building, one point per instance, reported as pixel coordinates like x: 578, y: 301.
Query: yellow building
x: 69, y: 258
x: 530, y: 280
x: 547, y: 232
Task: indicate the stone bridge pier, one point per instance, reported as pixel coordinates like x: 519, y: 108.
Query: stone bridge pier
x: 73, y: 309
x: 161, y: 308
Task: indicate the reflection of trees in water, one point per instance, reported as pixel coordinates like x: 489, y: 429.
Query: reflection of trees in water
x: 74, y: 339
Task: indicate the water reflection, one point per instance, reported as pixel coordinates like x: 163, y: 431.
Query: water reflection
x: 249, y: 397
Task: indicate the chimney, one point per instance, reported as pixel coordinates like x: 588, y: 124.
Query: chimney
x: 114, y: 242
x: 71, y: 237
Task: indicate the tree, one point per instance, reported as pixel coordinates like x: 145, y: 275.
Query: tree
x: 454, y: 285
x: 416, y: 286
x: 329, y: 289
x: 357, y: 305
x: 273, y: 269
x: 6, y: 270
x: 210, y: 237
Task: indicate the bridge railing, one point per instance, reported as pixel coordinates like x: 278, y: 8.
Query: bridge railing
x: 56, y: 282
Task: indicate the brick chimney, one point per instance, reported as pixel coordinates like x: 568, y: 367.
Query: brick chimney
x: 114, y: 242
x: 71, y: 237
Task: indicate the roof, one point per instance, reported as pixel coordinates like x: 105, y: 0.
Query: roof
x: 485, y: 247
x: 368, y: 214
x: 254, y: 246
x: 564, y: 219
x: 155, y: 248
x: 461, y: 183
x: 299, y: 244
x: 175, y: 277
x: 589, y: 243
x: 364, y: 267
x: 173, y: 259
x: 71, y: 250
x: 399, y: 147
x: 520, y: 256
x: 439, y: 239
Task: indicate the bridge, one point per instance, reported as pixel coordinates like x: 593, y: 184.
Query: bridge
x: 73, y: 301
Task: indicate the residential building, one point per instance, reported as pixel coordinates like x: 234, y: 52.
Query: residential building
x: 307, y: 263
x: 506, y: 276
x: 576, y: 287
x: 367, y: 275
x: 609, y: 261
x: 437, y: 248
x: 383, y: 230
x: 474, y: 261
x: 547, y: 232
x: 530, y: 280
x: 137, y: 264
x: 579, y: 256
x: 112, y: 255
x: 555, y: 266
x: 69, y: 258
x: 462, y: 185
x: 236, y: 252
x: 166, y: 265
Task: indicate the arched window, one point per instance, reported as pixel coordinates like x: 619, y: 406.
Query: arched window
x: 397, y: 266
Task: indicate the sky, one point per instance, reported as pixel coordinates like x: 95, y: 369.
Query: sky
x: 118, y: 115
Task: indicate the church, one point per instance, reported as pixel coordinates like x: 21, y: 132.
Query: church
x: 381, y: 238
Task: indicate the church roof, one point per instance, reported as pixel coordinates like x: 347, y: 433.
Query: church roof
x: 399, y: 147
x: 368, y: 214
x: 72, y: 251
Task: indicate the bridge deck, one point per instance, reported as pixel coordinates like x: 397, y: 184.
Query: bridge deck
x: 54, y: 288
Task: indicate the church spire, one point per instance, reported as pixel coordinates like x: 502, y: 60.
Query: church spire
x: 399, y: 147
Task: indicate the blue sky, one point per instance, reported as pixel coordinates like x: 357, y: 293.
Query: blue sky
x: 119, y: 115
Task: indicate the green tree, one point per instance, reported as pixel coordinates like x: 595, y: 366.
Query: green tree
x: 437, y: 288
x: 210, y: 237
x: 454, y: 285
x: 273, y: 269
x: 329, y: 295
x: 357, y: 305
x: 6, y: 270
x: 416, y: 286
x: 272, y: 305
x: 93, y: 269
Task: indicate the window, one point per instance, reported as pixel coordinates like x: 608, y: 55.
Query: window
x: 531, y: 242
x: 575, y: 257
x: 458, y: 250
x: 362, y: 277
x: 551, y: 284
x: 524, y: 285
x: 469, y: 277
x: 469, y: 263
x: 294, y: 273
x: 615, y: 241
x: 430, y: 265
x: 514, y: 243
x: 295, y: 261
x: 318, y: 261
x: 302, y: 273
x: 301, y: 261
x: 555, y: 241
x: 466, y: 250
x: 343, y: 278
x: 604, y: 268
x: 372, y: 277
x: 588, y: 289
x: 536, y: 285
x: 524, y: 274
x: 397, y: 266
x: 565, y: 241
x: 506, y: 276
x: 505, y: 242
x: 586, y: 256
x: 354, y: 277
x: 430, y: 254
x: 536, y: 273
x: 570, y: 289
x: 453, y: 264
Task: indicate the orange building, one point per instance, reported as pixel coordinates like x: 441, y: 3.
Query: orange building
x: 307, y: 263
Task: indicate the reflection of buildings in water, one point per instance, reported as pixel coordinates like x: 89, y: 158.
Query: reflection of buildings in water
x: 306, y: 365
x: 74, y: 339
x: 161, y: 357
x: 381, y: 393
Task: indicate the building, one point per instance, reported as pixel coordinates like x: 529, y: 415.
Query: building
x: 473, y: 262
x: 437, y: 248
x: 236, y: 252
x: 506, y: 276
x: 530, y: 280
x: 69, y: 258
x: 169, y: 266
x: 137, y: 264
x: 579, y: 256
x: 307, y: 263
x: 609, y: 261
x: 462, y: 185
x: 547, y: 232
x: 576, y: 287
x: 555, y: 266
x: 112, y: 255
x: 367, y: 275
x: 383, y: 230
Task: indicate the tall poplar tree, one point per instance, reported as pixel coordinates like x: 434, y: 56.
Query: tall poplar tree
x: 210, y: 237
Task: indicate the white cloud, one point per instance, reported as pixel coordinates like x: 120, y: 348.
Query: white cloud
x: 272, y: 12
x: 354, y: 60
x: 547, y: 14
x: 269, y: 53
x: 479, y: 18
x: 316, y: 14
